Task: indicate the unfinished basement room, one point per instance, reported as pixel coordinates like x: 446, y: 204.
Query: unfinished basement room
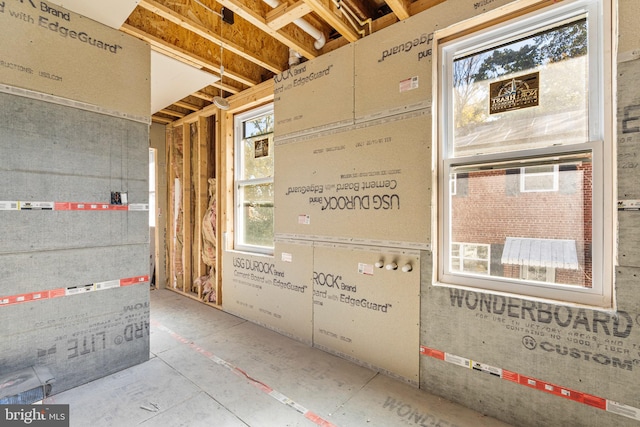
x: 334, y: 213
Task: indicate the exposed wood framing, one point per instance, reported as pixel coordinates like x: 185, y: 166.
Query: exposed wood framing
x: 186, y: 105
x: 260, y: 57
x: 162, y: 120
x: 197, y: 177
x: 325, y: 9
x: 290, y: 35
x: 400, y: 8
x: 202, y: 193
x: 186, y: 205
x: 204, y: 96
x: 189, y: 58
x: 165, y: 35
x: 286, y: 13
x: 172, y: 113
x: 224, y: 192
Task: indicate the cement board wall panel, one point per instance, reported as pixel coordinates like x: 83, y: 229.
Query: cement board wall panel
x: 29, y: 231
x: 369, y: 184
x: 393, y: 67
x: 65, y: 54
x: 628, y: 148
x: 629, y: 31
x: 628, y: 238
x: 79, y: 338
x: 367, y: 313
x: 315, y: 95
x: 37, y: 271
x: 273, y: 291
x: 569, y: 346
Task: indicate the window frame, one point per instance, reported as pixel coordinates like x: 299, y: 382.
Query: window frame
x: 240, y: 181
x: 477, y: 34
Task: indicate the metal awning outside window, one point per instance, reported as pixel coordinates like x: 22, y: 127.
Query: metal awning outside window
x: 540, y: 253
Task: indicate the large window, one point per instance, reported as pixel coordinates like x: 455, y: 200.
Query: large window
x: 254, y: 180
x: 522, y: 129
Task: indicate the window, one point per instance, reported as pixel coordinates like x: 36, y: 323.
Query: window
x: 470, y: 257
x: 254, y: 181
x: 521, y: 117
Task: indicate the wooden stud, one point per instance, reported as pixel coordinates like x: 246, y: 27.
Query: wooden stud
x: 186, y: 206
x: 202, y: 193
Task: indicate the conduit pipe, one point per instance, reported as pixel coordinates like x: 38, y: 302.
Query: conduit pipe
x: 304, y: 26
x: 345, y: 6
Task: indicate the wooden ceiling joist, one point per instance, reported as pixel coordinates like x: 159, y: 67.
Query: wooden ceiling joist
x: 169, y: 36
x: 260, y: 58
x: 256, y: 45
x: 289, y: 35
x: 204, y: 96
x: 173, y: 113
x: 186, y: 105
x: 325, y: 10
x: 286, y: 13
x: 161, y: 120
x: 182, y: 55
x: 400, y: 8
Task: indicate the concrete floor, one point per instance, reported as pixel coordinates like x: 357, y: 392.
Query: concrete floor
x: 210, y: 368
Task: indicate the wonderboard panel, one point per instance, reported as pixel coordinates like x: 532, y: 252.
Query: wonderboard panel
x: 273, y: 291
x: 366, y: 312
x: 365, y: 184
x: 62, y: 53
x: 78, y: 338
x: 315, y: 95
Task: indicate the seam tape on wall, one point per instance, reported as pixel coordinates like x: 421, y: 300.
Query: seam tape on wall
x: 587, y: 399
x: 71, y: 290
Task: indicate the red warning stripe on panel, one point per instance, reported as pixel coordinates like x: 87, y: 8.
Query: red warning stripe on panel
x: 70, y: 206
x: 431, y: 352
x: 17, y: 299
x: 133, y: 280
x: 567, y: 393
x: 71, y: 290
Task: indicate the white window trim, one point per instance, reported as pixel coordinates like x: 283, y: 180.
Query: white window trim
x: 603, y: 241
x: 239, y: 119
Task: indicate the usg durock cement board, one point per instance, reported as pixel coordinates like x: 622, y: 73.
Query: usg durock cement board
x: 48, y: 49
x: 355, y: 185
x: 315, y: 95
x: 272, y: 291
